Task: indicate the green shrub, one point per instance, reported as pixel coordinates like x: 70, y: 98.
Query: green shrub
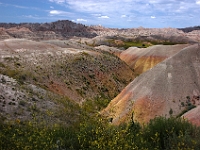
x: 94, y: 132
x: 171, y: 133
x: 2, y: 65
x: 22, y: 102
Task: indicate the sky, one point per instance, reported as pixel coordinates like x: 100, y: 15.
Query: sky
x: 108, y: 13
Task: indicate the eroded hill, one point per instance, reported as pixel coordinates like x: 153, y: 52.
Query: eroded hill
x: 143, y: 59
x: 169, y: 88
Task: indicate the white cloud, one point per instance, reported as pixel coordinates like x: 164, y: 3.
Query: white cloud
x: 59, y: 12
x: 34, y: 17
x: 152, y: 1
x: 100, y: 6
x: 81, y: 20
x: 104, y: 17
x: 28, y: 16
x: 198, y: 2
x: 132, y: 10
x: 123, y: 6
x: 123, y: 16
x: 57, y: 1
x: 51, y: 7
x: 96, y: 15
x: 55, y: 12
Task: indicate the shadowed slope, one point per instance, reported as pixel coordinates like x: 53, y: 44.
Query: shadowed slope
x: 167, y: 89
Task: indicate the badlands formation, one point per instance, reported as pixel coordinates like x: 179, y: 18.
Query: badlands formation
x: 138, y: 73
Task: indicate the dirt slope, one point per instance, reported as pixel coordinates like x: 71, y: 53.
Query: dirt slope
x: 167, y: 89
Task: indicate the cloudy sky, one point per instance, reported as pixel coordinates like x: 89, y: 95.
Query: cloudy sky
x: 108, y: 13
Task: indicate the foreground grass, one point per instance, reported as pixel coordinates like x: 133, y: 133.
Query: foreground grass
x: 160, y: 133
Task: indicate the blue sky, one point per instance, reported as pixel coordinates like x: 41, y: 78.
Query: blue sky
x: 108, y: 13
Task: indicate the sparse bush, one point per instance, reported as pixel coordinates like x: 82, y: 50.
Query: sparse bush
x: 84, y: 53
x: 11, y: 103
x: 182, y: 104
x: 2, y: 65
x: 17, y: 64
x: 22, y: 103
x: 92, y: 76
x: 3, y: 80
x: 170, y: 111
x: 80, y: 92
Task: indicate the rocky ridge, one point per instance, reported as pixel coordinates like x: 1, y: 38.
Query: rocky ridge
x: 65, y: 29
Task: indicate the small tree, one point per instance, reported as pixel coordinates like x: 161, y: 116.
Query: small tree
x: 170, y: 112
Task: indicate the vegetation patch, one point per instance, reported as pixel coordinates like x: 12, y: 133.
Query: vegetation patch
x: 2, y: 65
x: 135, y: 44
x: 97, y: 133
x: 187, y: 107
x: 127, y: 43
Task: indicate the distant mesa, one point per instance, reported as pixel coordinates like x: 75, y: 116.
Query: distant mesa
x: 65, y: 29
